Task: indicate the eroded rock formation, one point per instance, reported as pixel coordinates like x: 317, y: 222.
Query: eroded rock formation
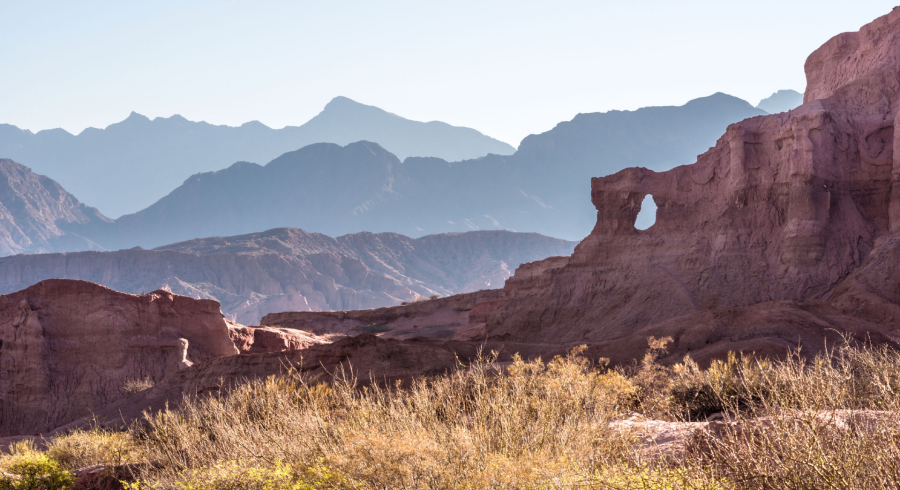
x: 459, y: 317
x: 68, y: 347
x: 260, y: 339
x: 783, y: 230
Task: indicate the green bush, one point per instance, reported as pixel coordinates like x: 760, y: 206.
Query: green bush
x: 235, y: 475
x: 31, y: 470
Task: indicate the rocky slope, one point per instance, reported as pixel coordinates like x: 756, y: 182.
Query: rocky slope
x: 68, y: 347
x: 131, y: 164
x: 37, y: 215
x: 289, y: 269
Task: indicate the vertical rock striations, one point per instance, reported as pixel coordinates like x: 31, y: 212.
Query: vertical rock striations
x: 68, y: 347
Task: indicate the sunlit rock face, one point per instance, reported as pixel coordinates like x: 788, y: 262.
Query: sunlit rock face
x: 770, y: 238
x: 68, y: 347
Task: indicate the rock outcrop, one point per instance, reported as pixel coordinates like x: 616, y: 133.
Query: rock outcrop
x: 289, y: 269
x: 784, y: 230
x: 460, y: 317
x: 259, y: 339
x: 68, y: 347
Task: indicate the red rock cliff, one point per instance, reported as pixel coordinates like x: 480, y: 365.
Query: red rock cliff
x: 784, y: 208
x: 67, y: 347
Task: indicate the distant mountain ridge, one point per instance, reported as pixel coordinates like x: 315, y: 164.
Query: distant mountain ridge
x: 781, y: 101
x: 290, y: 269
x: 324, y: 187
x: 337, y: 190
x: 131, y: 164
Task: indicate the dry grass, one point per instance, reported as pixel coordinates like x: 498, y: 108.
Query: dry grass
x: 532, y: 425
x: 79, y: 449
x: 136, y: 385
x: 830, y: 422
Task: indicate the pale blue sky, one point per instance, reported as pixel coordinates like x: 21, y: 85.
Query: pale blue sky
x: 506, y: 68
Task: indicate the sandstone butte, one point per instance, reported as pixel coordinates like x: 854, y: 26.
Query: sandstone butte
x: 785, y: 234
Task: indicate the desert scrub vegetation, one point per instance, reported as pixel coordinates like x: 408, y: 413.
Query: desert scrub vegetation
x: 831, y: 421
x: 136, y: 385
x: 532, y: 423
x: 81, y: 448
x: 26, y: 468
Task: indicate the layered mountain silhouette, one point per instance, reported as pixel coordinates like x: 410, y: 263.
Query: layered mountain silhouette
x: 337, y: 190
x: 290, y: 269
x: 131, y: 164
x: 781, y: 101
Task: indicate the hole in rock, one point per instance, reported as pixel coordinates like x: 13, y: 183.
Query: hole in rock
x: 647, y: 216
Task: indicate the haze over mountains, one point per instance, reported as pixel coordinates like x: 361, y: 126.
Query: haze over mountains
x: 781, y: 101
x: 290, y: 269
x: 337, y: 190
x: 129, y: 165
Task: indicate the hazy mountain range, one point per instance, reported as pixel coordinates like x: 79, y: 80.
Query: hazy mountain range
x: 544, y: 187
x: 130, y: 165
x: 327, y: 188
x: 289, y: 269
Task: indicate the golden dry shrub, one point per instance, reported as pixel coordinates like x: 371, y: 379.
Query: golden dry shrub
x: 82, y: 448
x: 521, y: 425
x: 827, y: 421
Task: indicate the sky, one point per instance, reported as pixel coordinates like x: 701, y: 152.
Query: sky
x: 506, y: 68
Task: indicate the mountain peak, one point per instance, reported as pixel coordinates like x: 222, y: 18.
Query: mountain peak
x: 135, y: 117
x: 717, y: 99
x: 781, y: 101
x: 341, y: 106
x: 340, y: 99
